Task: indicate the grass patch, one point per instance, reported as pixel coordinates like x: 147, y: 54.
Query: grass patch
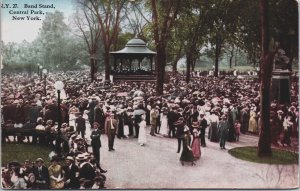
x: 278, y: 156
x: 20, y: 152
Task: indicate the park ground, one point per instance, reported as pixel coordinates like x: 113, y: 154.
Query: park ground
x: 156, y: 165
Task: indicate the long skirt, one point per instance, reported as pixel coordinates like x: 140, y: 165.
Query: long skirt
x: 142, y: 135
x: 196, y: 149
x: 187, y: 155
x: 214, y: 132
x: 164, y: 126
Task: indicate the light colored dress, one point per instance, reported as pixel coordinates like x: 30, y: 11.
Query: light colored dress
x: 252, y: 123
x: 142, y: 133
x: 164, y: 124
x: 56, y: 171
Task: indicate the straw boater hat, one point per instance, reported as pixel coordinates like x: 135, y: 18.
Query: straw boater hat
x: 39, y: 160
x: 81, y: 157
x: 73, y: 136
x: 69, y: 158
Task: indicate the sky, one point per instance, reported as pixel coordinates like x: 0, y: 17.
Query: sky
x: 19, y: 30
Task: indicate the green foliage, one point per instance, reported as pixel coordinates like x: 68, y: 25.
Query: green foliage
x: 278, y: 156
x: 21, y: 152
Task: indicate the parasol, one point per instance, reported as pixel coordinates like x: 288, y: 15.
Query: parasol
x: 138, y: 93
x: 139, y: 112
x: 122, y: 94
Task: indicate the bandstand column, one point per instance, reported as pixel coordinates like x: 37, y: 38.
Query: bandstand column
x: 151, y: 62
x: 130, y: 63
x: 115, y: 63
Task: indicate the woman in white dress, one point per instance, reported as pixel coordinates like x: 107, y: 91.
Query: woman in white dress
x: 73, y: 114
x: 164, y: 123
x: 142, y: 132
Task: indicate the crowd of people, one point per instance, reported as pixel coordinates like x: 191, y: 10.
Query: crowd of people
x: 227, y: 106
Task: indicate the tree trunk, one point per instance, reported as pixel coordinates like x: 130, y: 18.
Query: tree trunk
x: 236, y: 55
x: 217, y: 55
x: 107, y: 65
x: 92, y: 69
x: 160, y: 68
x: 193, y: 64
x: 231, y: 57
x: 188, y: 67
x: 264, y: 143
x: 174, y: 67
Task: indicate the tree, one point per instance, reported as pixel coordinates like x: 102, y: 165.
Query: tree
x: 108, y: 14
x: 52, y: 37
x: 266, y: 67
x: 164, y: 13
x: 138, y: 18
x: 284, y: 25
x: 86, y: 21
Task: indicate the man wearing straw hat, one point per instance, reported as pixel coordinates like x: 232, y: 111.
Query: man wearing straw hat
x: 71, y: 173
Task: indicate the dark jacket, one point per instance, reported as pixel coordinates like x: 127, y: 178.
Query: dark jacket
x: 203, y: 125
x: 41, y: 176
x: 95, y: 136
x: 87, y: 172
x: 80, y: 124
x: 70, y: 173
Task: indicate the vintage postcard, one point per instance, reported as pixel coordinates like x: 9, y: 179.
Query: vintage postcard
x: 149, y: 94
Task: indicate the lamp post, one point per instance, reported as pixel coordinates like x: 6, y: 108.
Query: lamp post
x: 41, y: 67
x: 59, y: 85
x: 38, y: 69
x: 45, y: 76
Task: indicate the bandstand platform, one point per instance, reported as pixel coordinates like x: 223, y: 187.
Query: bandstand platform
x: 134, y: 62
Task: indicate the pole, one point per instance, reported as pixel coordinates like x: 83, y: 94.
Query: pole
x: 58, y: 141
x: 41, y: 73
x: 45, y: 91
x: 38, y: 72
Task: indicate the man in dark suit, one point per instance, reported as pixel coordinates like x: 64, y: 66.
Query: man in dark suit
x: 86, y: 170
x: 96, y: 144
x: 172, y: 118
x: 99, y: 116
x: 192, y: 115
x: 128, y: 120
x: 111, y: 129
x: 41, y: 174
x: 180, y: 132
x: 71, y: 173
x: 80, y: 125
x: 203, y: 125
x: 91, y: 108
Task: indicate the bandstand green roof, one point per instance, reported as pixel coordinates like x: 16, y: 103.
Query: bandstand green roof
x: 134, y: 46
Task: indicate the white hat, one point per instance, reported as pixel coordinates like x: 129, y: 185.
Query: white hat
x: 16, y: 102
x: 69, y: 158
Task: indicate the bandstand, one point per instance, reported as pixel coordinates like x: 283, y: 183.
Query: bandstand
x: 134, y: 62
